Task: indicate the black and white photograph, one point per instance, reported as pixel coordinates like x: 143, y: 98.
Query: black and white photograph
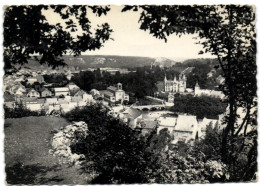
x: 129, y: 94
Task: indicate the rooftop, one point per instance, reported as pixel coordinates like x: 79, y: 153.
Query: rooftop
x: 186, y: 123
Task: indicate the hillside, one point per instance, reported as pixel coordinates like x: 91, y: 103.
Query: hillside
x: 99, y: 61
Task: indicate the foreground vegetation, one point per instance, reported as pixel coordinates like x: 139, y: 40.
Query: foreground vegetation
x: 201, y: 107
x: 26, y: 146
x: 118, y: 154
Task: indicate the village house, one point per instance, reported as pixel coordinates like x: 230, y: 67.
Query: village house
x: 186, y: 128
x: 146, y: 126
x: 58, y: 91
x: 131, y: 116
x: 52, y: 100
x: 166, y: 122
x: 83, y: 96
x: 38, y: 105
x: 66, y: 107
x: 33, y: 93
x: 25, y: 100
x: 72, y: 86
x: 45, y: 92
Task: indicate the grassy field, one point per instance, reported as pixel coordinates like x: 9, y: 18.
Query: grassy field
x: 27, y: 158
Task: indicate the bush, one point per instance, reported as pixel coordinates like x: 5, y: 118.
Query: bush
x: 21, y: 111
x: 203, y: 106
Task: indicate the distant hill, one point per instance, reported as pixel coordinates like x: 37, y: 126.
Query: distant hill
x: 163, y: 62
x: 99, y: 61
x: 199, y: 61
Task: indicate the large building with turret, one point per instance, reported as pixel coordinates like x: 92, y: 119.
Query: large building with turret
x: 175, y: 86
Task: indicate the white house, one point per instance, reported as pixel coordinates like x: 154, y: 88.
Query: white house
x: 33, y: 93
x: 72, y: 86
x: 166, y: 122
x: 58, y: 91
x: 186, y: 128
x: 131, y: 116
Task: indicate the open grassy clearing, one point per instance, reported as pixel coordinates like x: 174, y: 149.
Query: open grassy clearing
x: 27, y: 158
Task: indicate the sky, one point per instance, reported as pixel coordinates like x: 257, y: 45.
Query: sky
x: 129, y: 40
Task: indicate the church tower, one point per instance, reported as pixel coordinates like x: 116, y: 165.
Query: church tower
x: 165, y: 78
x: 165, y: 83
x: 197, y: 88
x: 119, y: 86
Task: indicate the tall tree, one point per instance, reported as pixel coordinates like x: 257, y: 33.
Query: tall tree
x: 229, y: 33
x: 27, y: 32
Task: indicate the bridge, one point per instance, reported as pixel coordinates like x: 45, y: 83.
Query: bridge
x: 149, y: 107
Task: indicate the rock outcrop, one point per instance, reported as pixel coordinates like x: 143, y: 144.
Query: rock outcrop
x: 65, y: 138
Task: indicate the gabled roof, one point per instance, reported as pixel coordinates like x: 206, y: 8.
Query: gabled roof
x: 186, y: 123
x: 112, y: 88
x: 167, y: 121
x: 80, y: 93
x: 106, y: 92
x: 149, y: 124
x: 31, y: 89
x: 132, y: 113
x: 71, y: 83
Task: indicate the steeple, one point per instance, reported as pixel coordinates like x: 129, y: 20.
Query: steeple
x: 165, y: 79
x: 197, y: 84
x: 119, y: 86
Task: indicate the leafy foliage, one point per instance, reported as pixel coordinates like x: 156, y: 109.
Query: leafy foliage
x: 228, y: 32
x: 21, y: 111
x: 203, y: 106
x: 27, y: 32
x: 141, y: 83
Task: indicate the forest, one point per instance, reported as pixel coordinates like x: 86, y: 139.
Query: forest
x: 143, y: 82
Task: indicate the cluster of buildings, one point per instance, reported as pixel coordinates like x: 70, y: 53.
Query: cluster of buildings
x: 110, y: 70
x: 30, y: 91
x: 112, y: 95
x: 183, y: 127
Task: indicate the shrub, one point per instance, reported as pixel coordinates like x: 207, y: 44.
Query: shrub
x: 21, y: 111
